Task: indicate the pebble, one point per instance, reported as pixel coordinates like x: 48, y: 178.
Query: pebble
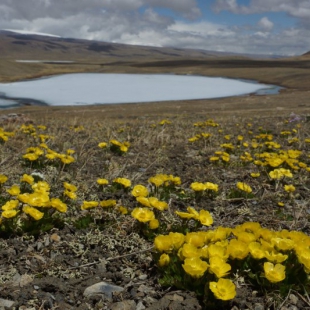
x: 124, y: 305
x: 5, y: 303
x: 140, y: 306
x: 142, y: 277
x: 102, y: 288
x: 293, y: 299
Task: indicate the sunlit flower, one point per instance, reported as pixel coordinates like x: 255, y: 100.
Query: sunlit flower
x: 188, y: 250
x: 70, y: 194
x: 102, y: 181
x: 274, y: 273
x: 70, y: 187
x: 9, y: 205
x: 14, y: 190
x: 289, y: 188
x: 123, y: 210
x: 58, y: 205
x: 33, y: 212
x: 224, y: 289
x: 256, y: 250
x: 3, y: 178
x: 108, y: 203
x: 164, y: 260
x: 164, y: 243
x: 144, y: 201
x: 255, y: 175
x: 177, y: 239
x: 205, y: 218
x: 156, y: 180
x: 9, y: 213
x: 218, y: 266
x: 275, y: 257
x: 143, y: 214
x: 139, y: 191
x: 102, y: 145
x: 195, y: 238
x: 244, y: 187
x: 211, y: 186
x: 89, y: 205
x: 27, y: 178
x: 237, y: 249
x: 159, y: 205
x: 195, y: 267
x: 123, y: 181
x: 197, y: 187
x: 154, y: 224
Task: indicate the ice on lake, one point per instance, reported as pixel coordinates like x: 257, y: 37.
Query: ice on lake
x: 108, y: 88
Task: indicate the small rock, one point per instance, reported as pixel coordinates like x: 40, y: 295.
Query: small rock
x: 5, y: 303
x: 259, y: 307
x: 142, y: 277
x: 124, y: 305
x: 293, y: 299
x: 39, y: 246
x: 145, y: 289
x: 102, y: 288
x: 140, y: 306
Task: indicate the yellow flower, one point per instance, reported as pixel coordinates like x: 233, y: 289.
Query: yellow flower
x: 9, y: 205
x: 224, y: 289
x: 102, y: 181
x: 177, y: 240
x: 33, y: 212
x: 31, y: 156
x: 9, y: 213
x: 41, y: 187
x: 102, y: 145
x: 3, y: 178
x: 144, y: 201
x: 283, y: 244
x: 108, y: 203
x: 256, y: 250
x: 275, y: 257
x: 205, y: 218
x: 58, y: 205
x: 289, y: 188
x: 218, y: 266
x: 188, y: 250
x: 217, y: 250
x: 195, y: 267
x: 163, y: 243
x: 38, y: 199
x: 70, y: 187
x: 255, y: 175
x: 195, y: 238
x: 164, y: 260
x: 66, y: 159
x: 156, y: 180
x: 139, y: 191
x: 14, y: 190
x: 211, y: 186
x: 28, y: 179
x: 89, y: 204
x: 143, y: 215
x: 70, y: 194
x: 125, y: 182
x: 123, y: 210
x: 154, y: 224
x: 237, y: 249
x: 244, y: 187
x: 274, y: 273
x: 197, y: 187
x: 159, y: 205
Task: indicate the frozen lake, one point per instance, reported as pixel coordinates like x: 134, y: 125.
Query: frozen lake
x: 108, y: 88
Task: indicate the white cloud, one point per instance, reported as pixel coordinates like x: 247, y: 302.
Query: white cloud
x: 265, y: 24
x: 140, y: 22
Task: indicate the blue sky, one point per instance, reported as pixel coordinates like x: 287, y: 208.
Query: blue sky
x: 271, y: 27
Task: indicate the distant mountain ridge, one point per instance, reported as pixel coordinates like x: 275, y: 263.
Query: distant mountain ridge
x: 27, y: 45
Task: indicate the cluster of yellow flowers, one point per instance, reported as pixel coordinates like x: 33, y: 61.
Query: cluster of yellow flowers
x: 212, y: 254
x: 4, y: 135
x: 44, y: 152
x: 200, y: 136
x: 32, y: 201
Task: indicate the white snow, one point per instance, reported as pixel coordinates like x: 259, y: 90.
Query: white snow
x: 44, y: 61
x: 32, y: 33
x: 105, y: 88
